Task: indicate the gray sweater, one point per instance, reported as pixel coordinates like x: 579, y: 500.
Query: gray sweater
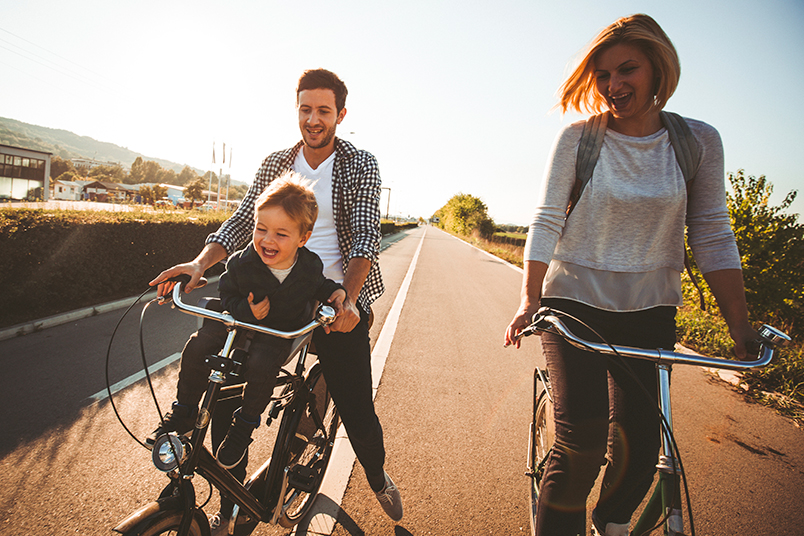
x: 622, y: 249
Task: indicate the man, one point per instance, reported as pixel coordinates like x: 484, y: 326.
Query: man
x: 347, y: 238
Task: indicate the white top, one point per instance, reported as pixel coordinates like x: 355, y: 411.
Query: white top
x: 622, y: 248
x: 281, y: 275
x: 324, y: 240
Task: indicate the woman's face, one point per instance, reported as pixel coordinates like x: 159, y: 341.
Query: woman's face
x: 625, y: 78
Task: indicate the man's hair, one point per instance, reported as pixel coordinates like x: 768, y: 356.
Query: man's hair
x: 578, y: 90
x: 323, y: 79
x: 293, y: 194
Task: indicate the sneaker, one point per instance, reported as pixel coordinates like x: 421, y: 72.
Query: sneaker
x: 612, y: 529
x: 180, y: 419
x: 234, y: 445
x: 218, y: 525
x: 390, y: 500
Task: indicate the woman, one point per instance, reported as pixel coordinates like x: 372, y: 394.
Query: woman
x: 615, y: 264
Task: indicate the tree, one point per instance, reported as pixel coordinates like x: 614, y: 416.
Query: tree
x: 466, y: 214
x: 187, y: 176
x: 151, y: 171
x: 771, y: 244
x: 59, y: 166
x: 135, y: 176
x: 68, y: 176
x: 107, y: 173
x: 147, y: 195
x: 160, y: 192
x: 195, y: 190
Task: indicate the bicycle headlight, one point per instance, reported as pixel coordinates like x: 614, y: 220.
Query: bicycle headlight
x: 168, y: 452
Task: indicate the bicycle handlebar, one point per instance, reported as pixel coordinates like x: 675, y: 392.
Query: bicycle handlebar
x: 324, y: 315
x: 546, y: 320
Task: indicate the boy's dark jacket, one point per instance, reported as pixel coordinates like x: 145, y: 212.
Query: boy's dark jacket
x: 292, y: 301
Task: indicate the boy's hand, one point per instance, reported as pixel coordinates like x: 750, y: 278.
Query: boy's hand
x: 259, y: 310
x: 336, y: 301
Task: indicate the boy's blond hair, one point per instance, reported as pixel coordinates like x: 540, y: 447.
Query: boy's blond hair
x: 293, y: 194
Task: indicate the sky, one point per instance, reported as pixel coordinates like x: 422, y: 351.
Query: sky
x: 450, y: 96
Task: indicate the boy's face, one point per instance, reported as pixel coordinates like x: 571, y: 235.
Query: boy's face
x: 277, y: 237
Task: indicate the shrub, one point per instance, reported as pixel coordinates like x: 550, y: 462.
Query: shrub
x: 56, y: 261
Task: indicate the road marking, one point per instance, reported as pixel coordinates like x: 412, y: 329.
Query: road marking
x: 495, y: 257
x: 324, y: 514
x: 122, y: 384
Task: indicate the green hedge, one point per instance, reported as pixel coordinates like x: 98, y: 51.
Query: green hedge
x: 57, y: 261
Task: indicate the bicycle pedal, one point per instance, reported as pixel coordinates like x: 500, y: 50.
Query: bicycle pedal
x: 302, y: 478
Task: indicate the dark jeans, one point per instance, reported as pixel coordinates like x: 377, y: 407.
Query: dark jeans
x: 265, y: 357
x: 602, y: 415
x: 346, y: 363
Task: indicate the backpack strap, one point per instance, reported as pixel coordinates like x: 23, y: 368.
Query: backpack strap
x: 684, y: 145
x: 594, y: 130
x: 689, y: 160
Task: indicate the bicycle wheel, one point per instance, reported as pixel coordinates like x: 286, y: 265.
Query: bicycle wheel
x: 309, y: 441
x: 542, y: 437
x: 169, y: 524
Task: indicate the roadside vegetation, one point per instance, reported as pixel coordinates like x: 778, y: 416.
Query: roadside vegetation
x: 771, y: 244
x: 61, y: 260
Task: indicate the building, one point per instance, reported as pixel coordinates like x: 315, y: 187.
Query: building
x: 24, y: 173
x: 108, y: 192
x: 65, y: 190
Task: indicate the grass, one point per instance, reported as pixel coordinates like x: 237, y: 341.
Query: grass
x: 779, y: 385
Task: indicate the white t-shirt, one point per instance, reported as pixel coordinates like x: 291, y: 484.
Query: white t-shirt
x: 324, y: 240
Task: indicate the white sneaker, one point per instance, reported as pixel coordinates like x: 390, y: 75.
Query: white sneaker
x: 612, y: 529
x: 390, y: 499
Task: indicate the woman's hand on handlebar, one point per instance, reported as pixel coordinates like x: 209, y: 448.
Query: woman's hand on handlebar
x: 192, y: 269
x: 522, y: 319
x: 746, y: 345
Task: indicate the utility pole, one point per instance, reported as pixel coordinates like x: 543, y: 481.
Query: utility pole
x: 388, y: 205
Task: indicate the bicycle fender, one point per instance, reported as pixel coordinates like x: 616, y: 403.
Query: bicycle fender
x: 137, y: 522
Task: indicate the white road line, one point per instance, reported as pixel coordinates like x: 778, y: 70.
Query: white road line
x: 322, y: 518
x: 496, y: 258
x: 122, y: 384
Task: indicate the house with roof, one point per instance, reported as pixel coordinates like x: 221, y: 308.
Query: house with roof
x: 65, y: 190
x: 108, y: 192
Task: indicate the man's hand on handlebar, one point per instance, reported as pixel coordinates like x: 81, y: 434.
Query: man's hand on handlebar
x: 348, y: 316
x: 192, y: 269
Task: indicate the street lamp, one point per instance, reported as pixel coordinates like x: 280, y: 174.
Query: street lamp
x: 388, y: 206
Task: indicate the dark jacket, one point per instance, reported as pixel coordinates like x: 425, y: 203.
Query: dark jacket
x: 292, y: 301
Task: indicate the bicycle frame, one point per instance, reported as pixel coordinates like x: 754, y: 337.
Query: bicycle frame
x: 256, y: 497
x: 666, y: 498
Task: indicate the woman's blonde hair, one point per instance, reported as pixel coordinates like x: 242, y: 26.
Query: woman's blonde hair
x: 578, y: 91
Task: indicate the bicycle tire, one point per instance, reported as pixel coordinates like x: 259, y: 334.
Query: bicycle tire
x: 542, y: 439
x: 304, y: 449
x: 169, y: 524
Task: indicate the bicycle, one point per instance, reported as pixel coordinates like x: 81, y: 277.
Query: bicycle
x: 283, y: 489
x: 664, y: 507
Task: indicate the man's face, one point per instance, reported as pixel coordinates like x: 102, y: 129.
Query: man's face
x: 318, y: 117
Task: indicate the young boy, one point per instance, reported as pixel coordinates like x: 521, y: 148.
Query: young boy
x: 274, y: 282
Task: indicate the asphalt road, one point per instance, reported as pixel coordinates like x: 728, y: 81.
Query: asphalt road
x: 454, y: 404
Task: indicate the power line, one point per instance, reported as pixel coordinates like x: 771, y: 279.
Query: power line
x: 61, y: 69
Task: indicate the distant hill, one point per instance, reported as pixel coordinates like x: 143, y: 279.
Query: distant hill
x: 67, y: 144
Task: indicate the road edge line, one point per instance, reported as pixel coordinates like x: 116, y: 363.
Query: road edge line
x: 323, y: 517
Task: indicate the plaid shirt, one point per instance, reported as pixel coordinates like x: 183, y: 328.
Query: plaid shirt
x: 355, y: 204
